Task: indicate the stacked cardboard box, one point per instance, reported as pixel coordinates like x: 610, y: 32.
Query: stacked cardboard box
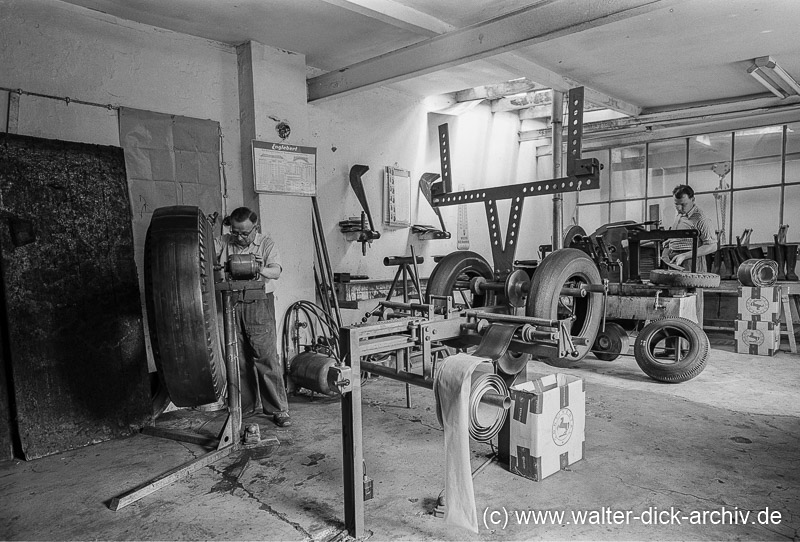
x: 758, y: 329
x: 548, y: 425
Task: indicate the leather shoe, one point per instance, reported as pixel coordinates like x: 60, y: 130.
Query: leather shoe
x: 282, y: 419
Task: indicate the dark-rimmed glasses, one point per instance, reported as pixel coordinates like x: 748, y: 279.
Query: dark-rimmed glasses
x: 241, y: 234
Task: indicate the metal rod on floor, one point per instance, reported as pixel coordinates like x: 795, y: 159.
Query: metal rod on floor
x: 168, y: 477
x: 229, y: 439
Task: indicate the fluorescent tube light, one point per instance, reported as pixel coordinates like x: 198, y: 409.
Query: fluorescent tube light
x: 777, y: 80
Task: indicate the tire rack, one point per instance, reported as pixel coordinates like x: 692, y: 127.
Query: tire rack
x: 401, y: 335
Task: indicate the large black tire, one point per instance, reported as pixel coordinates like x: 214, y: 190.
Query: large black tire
x: 463, y: 264
x: 684, y: 279
x: 181, y: 305
x: 567, y: 267
x: 672, y: 350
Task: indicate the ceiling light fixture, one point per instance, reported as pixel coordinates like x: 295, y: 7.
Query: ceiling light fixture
x: 777, y: 80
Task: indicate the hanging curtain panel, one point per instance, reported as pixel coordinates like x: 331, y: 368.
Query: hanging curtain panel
x: 170, y: 160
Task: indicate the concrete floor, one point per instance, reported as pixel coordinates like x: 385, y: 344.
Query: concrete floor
x: 727, y: 440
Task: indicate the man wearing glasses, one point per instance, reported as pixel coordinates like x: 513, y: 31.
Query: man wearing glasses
x: 255, y: 322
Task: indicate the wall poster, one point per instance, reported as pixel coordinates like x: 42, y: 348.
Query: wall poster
x: 279, y: 168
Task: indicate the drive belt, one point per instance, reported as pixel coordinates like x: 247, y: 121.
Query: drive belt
x: 496, y: 340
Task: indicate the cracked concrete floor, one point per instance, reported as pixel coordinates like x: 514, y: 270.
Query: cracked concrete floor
x: 727, y: 440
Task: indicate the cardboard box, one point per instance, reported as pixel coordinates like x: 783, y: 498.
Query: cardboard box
x: 761, y: 304
x: 757, y: 338
x: 547, y: 426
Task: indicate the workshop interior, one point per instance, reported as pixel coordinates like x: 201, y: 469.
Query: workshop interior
x: 536, y: 270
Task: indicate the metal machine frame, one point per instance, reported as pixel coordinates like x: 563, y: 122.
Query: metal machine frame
x: 417, y: 327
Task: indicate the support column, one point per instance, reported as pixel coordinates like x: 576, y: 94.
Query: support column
x: 272, y: 91
x: 557, y: 120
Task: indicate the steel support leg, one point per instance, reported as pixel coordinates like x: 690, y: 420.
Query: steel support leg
x: 352, y: 439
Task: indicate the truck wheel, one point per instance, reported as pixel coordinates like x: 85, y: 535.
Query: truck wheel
x: 684, y: 279
x: 567, y: 267
x: 181, y: 305
x: 672, y: 350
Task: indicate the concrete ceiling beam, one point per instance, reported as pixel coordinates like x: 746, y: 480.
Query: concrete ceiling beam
x: 397, y: 15
x: 534, y: 24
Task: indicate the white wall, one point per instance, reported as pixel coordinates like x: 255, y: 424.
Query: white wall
x: 383, y: 127
x: 56, y: 49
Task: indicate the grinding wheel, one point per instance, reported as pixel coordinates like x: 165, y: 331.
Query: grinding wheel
x: 181, y: 305
x: 611, y: 342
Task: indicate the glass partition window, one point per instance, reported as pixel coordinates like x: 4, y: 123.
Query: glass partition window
x: 791, y: 212
x: 627, y: 210
x: 666, y: 166
x: 748, y: 179
x: 757, y: 210
x: 757, y: 157
x: 710, y: 158
x: 591, y: 217
x: 628, y: 173
x: 793, y: 156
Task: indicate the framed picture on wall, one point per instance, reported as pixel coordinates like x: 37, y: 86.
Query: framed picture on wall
x: 280, y: 168
x: 397, y: 197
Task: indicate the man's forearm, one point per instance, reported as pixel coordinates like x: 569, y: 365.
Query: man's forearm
x: 704, y: 250
x: 271, y: 271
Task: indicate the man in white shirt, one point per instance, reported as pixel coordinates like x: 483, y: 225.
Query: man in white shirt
x: 689, y: 217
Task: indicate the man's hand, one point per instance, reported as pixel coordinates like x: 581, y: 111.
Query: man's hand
x: 680, y: 258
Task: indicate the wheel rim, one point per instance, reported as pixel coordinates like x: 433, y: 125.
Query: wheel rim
x: 669, y: 346
x: 611, y: 342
